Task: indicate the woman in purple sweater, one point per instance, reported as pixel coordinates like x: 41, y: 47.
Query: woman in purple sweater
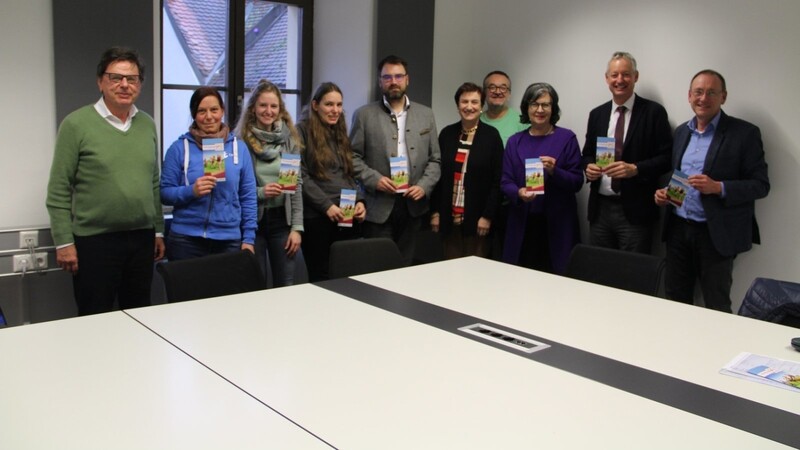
x: 542, y: 228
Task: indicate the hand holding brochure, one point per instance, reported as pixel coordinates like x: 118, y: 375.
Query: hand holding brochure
x: 289, y: 173
x: 765, y: 370
x: 534, y: 175
x: 678, y: 187
x: 399, y: 168
x: 214, y: 158
x: 347, y: 203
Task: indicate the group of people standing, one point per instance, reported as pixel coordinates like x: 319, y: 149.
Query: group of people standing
x: 469, y: 180
x: 721, y: 156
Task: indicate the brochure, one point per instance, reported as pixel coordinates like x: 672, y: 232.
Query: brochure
x: 762, y: 369
x: 289, y: 173
x: 678, y: 187
x: 534, y: 175
x: 399, y: 168
x: 605, y: 152
x: 347, y: 203
x: 214, y: 158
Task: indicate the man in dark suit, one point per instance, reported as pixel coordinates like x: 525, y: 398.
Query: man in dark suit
x: 621, y: 213
x: 724, y: 159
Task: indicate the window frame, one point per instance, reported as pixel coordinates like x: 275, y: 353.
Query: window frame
x: 235, y: 91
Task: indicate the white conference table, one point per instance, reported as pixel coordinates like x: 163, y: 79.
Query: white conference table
x: 106, y: 382
x: 360, y: 377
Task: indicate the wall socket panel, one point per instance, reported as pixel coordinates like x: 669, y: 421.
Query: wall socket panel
x: 24, y: 261
x: 25, y: 235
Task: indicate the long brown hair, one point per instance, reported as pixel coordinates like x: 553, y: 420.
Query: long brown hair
x: 248, y: 115
x: 319, y: 133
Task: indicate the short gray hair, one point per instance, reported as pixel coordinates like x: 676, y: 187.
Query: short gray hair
x: 626, y: 56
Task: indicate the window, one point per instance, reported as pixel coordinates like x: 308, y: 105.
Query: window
x: 231, y: 44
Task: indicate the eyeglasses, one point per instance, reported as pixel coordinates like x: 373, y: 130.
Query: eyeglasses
x: 535, y: 106
x: 395, y: 77
x: 697, y: 93
x: 495, y: 88
x: 117, y: 78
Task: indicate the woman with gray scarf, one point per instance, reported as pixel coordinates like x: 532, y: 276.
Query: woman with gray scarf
x: 267, y: 128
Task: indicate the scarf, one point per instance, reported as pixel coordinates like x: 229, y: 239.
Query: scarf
x: 199, y: 135
x: 267, y: 145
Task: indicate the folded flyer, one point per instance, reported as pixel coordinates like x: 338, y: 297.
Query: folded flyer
x: 347, y: 203
x: 534, y: 175
x: 605, y: 152
x: 677, y: 188
x: 399, y: 168
x: 214, y: 158
x: 762, y: 369
x: 289, y: 173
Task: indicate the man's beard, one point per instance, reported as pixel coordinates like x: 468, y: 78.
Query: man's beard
x: 497, y: 108
x: 394, y: 94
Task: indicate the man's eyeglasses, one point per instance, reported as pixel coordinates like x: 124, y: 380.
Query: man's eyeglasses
x: 396, y: 77
x: 535, y: 106
x: 697, y: 93
x: 117, y: 78
x: 495, y: 88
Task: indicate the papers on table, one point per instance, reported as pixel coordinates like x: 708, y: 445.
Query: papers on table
x: 765, y: 370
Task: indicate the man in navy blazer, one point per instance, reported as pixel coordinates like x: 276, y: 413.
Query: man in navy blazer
x: 395, y: 127
x: 621, y: 212
x: 724, y: 159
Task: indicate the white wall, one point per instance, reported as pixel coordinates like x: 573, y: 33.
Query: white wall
x: 28, y: 115
x: 344, y: 50
x: 568, y: 43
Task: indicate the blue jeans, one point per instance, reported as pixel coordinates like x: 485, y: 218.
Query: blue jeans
x: 181, y: 246
x: 273, y: 232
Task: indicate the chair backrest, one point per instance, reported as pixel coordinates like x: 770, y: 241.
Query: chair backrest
x: 359, y: 256
x: 630, y: 271
x: 211, y: 276
x: 772, y: 300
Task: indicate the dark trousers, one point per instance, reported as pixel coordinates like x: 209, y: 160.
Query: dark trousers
x: 318, y: 236
x: 691, y: 255
x: 181, y: 246
x: 400, y: 227
x: 457, y: 244
x: 535, y: 251
x: 611, y: 229
x: 498, y: 232
x: 113, y: 266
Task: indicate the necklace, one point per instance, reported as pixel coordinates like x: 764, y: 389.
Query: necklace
x: 469, y: 131
x: 549, y: 130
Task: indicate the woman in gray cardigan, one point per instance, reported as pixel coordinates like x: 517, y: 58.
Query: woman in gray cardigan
x: 327, y: 165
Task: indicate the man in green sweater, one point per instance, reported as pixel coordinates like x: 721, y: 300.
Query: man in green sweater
x: 103, y: 195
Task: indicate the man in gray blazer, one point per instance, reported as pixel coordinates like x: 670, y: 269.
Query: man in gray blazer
x: 724, y: 159
x: 395, y: 127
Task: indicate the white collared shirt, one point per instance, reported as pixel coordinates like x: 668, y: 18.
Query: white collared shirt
x: 605, y: 182
x: 400, y: 117
x: 115, y: 121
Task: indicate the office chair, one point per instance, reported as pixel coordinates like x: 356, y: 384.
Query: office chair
x: 773, y: 301
x: 211, y: 276
x: 360, y: 256
x: 630, y: 271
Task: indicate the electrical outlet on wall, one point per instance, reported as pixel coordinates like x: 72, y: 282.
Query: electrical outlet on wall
x: 25, y: 236
x: 24, y: 262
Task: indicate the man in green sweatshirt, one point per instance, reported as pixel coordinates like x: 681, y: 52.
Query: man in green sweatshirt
x: 103, y: 195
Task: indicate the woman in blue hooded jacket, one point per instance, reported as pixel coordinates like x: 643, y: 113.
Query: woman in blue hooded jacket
x: 212, y: 192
